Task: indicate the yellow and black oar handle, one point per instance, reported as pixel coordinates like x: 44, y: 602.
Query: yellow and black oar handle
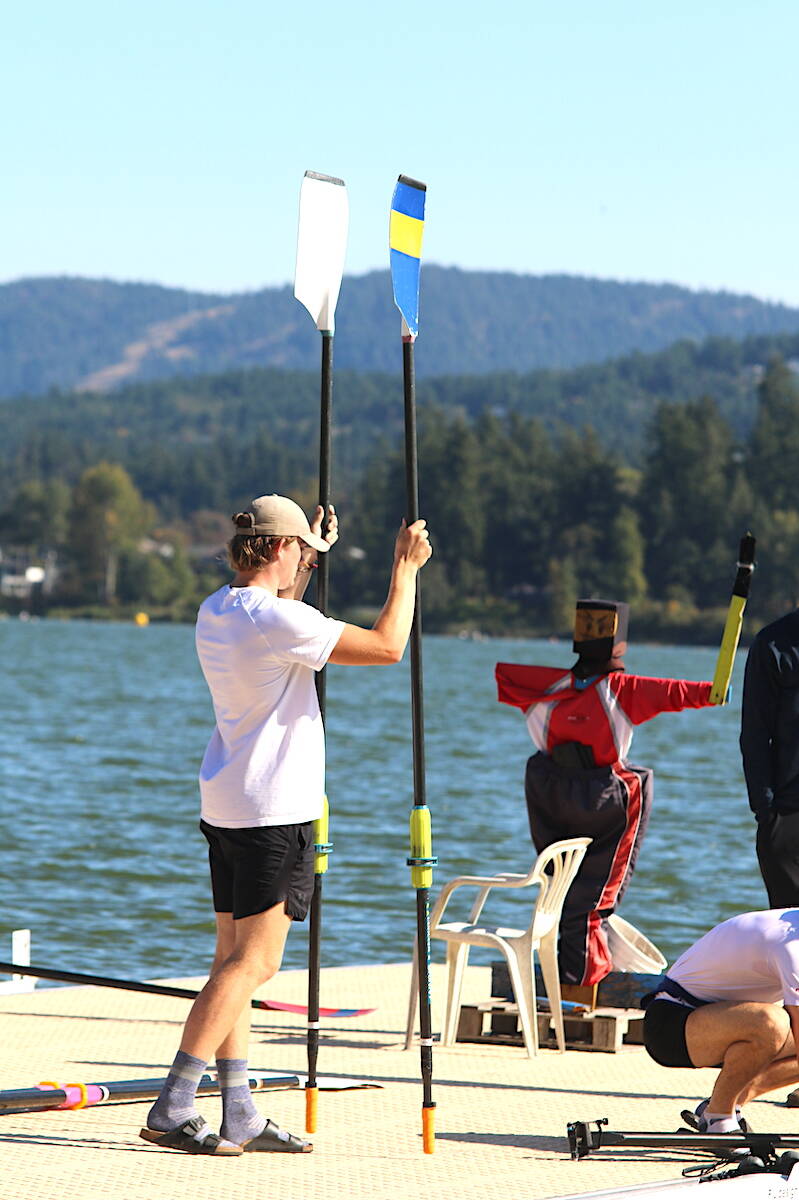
x: 735, y: 616
x: 422, y: 859
x: 322, y: 847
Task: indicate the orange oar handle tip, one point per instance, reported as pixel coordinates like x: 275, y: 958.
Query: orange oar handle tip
x: 311, y: 1102
x: 428, y: 1130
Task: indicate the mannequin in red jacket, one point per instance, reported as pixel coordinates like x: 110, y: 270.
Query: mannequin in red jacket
x: 578, y: 783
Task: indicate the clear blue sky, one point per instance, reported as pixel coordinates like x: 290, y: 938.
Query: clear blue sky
x: 166, y: 141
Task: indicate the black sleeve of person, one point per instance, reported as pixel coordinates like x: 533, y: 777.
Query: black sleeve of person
x: 759, y: 708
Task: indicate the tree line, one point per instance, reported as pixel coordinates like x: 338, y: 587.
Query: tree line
x: 523, y: 519
x: 211, y: 433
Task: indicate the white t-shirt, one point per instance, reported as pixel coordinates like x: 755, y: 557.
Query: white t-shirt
x: 754, y: 956
x: 265, y: 762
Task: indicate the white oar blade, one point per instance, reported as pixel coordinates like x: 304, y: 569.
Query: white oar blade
x: 321, y: 246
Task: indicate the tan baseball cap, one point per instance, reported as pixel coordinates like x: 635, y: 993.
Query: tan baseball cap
x: 277, y: 516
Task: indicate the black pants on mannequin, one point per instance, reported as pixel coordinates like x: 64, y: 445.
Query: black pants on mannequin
x: 610, y: 805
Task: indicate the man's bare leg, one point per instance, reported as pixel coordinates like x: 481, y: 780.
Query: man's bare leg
x: 782, y: 1073
x: 242, y: 1123
x: 237, y: 1042
x: 216, y: 1022
x: 749, y: 1039
x: 248, y: 953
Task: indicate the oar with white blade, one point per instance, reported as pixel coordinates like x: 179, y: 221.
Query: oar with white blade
x: 321, y: 247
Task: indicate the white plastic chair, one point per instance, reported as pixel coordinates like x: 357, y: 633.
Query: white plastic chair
x: 553, y: 870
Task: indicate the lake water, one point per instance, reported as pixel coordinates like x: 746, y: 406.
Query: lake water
x: 104, y: 726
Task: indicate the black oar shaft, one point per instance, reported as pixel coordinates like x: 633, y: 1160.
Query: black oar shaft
x: 419, y: 785
x: 412, y: 509
x: 411, y: 456
x: 425, y: 1016
x: 325, y: 459
x: 124, y: 985
x: 322, y: 586
x: 314, y: 957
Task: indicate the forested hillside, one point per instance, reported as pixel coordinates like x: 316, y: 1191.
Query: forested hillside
x: 209, y: 436
x: 130, y: 494
x: 99, y: 335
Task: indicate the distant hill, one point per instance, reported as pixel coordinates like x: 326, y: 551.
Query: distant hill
x: 99, y: 335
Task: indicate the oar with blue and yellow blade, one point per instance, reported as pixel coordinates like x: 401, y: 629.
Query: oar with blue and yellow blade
x: 734, y: 622
x: 321, y: 246
x: 405, y: 242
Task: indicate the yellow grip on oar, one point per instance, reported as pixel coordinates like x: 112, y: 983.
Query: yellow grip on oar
x: 421, y: 860
x: 321, y: 833
x: 729, y: 644
x: 311, y: 1105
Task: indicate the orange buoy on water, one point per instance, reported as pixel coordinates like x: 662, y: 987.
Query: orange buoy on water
x: 141, y: 619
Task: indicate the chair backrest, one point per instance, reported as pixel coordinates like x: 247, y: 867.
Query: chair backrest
x: 555, y: 869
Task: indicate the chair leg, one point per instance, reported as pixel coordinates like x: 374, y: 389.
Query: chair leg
x: 524, y: 990
x: 413, y: 998
x: 548, y: 957
x: 457, y: 958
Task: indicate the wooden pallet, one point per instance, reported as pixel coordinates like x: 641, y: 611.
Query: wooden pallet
x: 605, y: 1029
x: 620, y: 989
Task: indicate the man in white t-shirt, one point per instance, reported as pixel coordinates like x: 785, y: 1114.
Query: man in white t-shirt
x: 262, y: 785
x: 732, y: 1001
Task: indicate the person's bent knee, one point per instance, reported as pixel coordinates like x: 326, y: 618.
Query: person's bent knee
x: 774, y: 1027
x: 767, y: 1028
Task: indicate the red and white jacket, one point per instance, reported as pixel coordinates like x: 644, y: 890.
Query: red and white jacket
x: 601, y: 714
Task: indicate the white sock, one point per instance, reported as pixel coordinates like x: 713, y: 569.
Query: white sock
x: 721, y: 1122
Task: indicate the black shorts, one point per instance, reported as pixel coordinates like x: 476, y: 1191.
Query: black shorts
x: 252, y: 870
x: 664, y: 1033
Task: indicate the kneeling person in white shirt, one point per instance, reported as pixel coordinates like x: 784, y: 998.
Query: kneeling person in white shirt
x: 732, y: 1001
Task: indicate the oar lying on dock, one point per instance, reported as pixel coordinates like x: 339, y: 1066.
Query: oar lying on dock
x: 159, y: 989
x: 83, y: 1095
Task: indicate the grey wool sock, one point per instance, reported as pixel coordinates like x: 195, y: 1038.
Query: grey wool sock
x: 177, y: 1101
x: 241, y: 1120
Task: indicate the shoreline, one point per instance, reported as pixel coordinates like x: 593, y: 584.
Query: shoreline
x: 646, y: 632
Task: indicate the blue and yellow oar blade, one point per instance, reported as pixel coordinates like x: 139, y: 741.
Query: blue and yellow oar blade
x: 405, y: 231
